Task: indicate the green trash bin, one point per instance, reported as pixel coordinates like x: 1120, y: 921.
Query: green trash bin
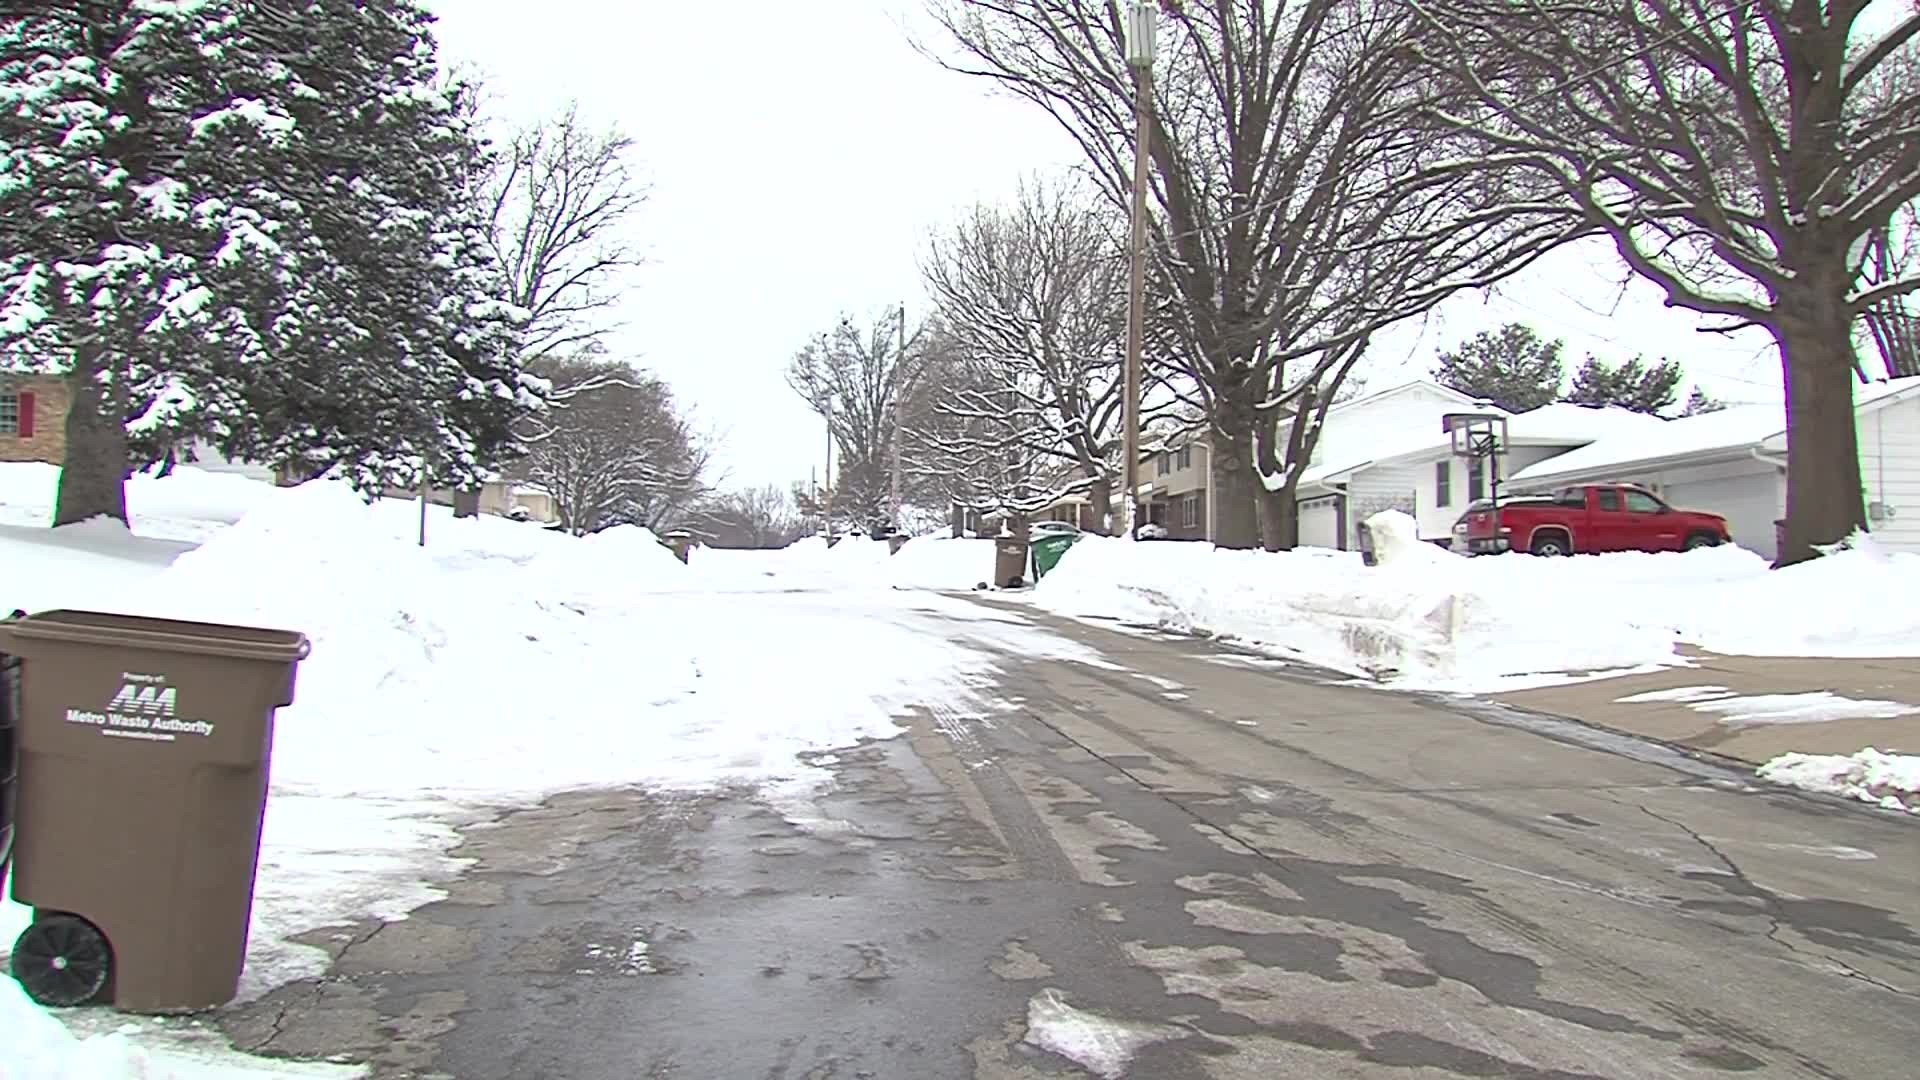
x: 1047, y: 551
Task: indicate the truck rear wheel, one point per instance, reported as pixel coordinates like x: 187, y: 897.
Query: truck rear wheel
x: 1551, y: 544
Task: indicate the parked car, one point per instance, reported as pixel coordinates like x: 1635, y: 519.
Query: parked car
x: 1052, y: 528
x: 1589, y: 520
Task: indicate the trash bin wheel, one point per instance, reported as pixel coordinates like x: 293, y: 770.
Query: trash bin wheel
x: 62, y: 961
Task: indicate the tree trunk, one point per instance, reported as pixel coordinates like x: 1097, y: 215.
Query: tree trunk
x: 466, y: 502
x: 1235, y: 492
x: 957, y: 520
x: 1825, y: 502
x: 1100, y: 500
x: 1278, y: 513
x: 1280, y: 517
x: 93, y: 476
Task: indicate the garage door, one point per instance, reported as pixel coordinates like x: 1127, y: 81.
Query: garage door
x: 1749, y: 503
x: 1320, y: 523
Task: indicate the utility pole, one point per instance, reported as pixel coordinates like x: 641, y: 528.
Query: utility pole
x: 1140, y: 52
x: 829, y: 470
x: 899, y: 396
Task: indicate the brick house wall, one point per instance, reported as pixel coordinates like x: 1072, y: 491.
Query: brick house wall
x: 33, y: 418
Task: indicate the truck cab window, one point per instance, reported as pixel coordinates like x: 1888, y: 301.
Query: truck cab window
x: 1639, y: 502
x: 1609, y: 500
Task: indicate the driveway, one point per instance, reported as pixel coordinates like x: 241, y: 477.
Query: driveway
x: 1176, y: 862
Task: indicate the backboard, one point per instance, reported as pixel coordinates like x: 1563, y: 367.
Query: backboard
x: 1475, y: 435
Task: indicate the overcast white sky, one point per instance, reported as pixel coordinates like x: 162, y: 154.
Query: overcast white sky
x: 799, y: 154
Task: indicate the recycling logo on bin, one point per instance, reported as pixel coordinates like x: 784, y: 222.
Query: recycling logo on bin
x: 142, y: 709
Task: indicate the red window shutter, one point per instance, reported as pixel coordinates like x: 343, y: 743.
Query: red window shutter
x: 26, y: 416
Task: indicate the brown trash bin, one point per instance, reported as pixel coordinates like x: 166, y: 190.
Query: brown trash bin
x: 143, y: 747
x: 9, y: 708
x: 1009, y: 562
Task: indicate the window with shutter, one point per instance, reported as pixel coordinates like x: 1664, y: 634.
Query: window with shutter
x: 10, y: 412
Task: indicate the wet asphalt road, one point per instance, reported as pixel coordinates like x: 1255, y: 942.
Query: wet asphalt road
x: 1192, y: 864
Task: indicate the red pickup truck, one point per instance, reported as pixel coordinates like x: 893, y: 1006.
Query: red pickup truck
x: 1589, y: 520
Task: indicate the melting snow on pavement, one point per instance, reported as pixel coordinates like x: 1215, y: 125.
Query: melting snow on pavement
x: 1102, y: 1046
x: 1736, y: 710
x: 498, y: 664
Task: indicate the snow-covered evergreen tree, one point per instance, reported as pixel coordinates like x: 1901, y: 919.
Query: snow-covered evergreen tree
x: 125, y: 190
x: 420, y: 364
x: 221, y: 220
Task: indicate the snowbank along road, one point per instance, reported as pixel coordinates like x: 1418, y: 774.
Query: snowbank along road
x: 1153, y: 857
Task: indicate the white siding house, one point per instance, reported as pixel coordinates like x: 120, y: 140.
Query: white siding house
x: 1733, y: 463
x: 1340, y: 487
x: 1890, y: 466
x: 1390, y: 452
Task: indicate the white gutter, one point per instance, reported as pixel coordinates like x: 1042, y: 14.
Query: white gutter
x: 1771, y: 459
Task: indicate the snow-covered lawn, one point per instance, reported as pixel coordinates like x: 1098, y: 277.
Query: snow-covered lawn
x: 1427, y: 619
x: 496, y: 665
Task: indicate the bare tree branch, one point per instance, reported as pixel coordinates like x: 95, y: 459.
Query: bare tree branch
x: 1746, y: 156
x: 611, y: 448
x: 1300, y: 205
x: 558, y: 201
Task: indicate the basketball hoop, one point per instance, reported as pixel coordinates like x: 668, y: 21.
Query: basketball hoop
x: 1475, y: 435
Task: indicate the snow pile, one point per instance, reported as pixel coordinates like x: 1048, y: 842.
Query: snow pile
x: 623, y: 557
x: 938, y: 562
x: 854, y: 562
x: 1888, y: 780
x: 1426, y: 618
x: 39, y: 1046
x: 1861, y: 600
x: 1417, y: 616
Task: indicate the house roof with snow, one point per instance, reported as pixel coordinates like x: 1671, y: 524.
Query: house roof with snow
x: 1397, y: 440
x: 1557, y: 424
x: 1732, y: 433
x: 1400, y: 389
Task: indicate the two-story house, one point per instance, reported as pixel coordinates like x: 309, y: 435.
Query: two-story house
x: 1176, y: 484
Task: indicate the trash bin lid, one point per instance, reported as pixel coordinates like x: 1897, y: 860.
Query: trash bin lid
x: 164, y: 635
